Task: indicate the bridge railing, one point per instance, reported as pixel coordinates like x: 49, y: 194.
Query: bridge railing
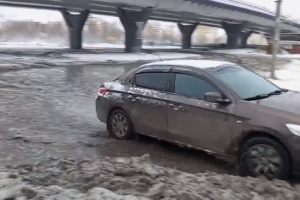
x: 251, y: 4
x: 287, y: 17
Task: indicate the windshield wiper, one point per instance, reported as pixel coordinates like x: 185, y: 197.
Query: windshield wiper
x: 279, y: 91
x: 257, y: 97
x: 263, y: 96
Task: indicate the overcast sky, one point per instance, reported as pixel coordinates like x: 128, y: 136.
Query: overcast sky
x: 290, y: 7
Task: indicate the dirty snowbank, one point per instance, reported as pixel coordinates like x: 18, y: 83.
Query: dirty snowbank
x: 255, y: 52
x: 241, y: 51
x: 131, y: 179
x: 56, y: 58
x: 123, y: 57
x: 39, y: 44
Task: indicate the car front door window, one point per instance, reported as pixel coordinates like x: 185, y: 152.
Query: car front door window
x: 192, y: 87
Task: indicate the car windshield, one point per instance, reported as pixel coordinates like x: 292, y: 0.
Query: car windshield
x: 246, y: 84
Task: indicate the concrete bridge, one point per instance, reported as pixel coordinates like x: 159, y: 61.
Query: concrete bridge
x: 239, y: 20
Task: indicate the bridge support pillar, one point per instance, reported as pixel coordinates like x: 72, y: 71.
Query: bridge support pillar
x: 187, y: 31
x: 245, y: 37
x: 75, y: 23
x: 234, y: 34
x: 134, y: 23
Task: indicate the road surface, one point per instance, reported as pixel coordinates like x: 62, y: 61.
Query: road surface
x: 51, y: 113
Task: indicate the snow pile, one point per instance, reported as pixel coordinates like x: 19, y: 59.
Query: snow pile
x: 255, y: 52
x: 31, y: 45
x: 52, y: 45
x: 131, y: 179
x: 123, y: 57
x: 56, y: 58
x: 241, y: 51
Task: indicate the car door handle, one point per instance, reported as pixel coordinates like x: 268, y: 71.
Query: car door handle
x: 176, y: 107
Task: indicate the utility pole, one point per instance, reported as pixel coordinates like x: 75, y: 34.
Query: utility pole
x: 276, y: 38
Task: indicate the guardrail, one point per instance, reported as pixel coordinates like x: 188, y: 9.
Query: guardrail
x: 251, y: 4
x: 288, y: 17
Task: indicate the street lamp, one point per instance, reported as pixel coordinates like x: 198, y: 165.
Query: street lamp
x: 276, y: 38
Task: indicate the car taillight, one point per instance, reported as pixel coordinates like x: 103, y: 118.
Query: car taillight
x: 102, y: 91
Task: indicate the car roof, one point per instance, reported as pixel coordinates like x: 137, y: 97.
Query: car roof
x: 199, y: 64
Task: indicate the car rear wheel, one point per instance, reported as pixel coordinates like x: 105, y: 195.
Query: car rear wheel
x: 263, y: 156
x: 119, y: 125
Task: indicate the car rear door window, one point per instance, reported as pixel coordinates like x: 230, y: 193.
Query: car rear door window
x: 192, y: 87
x: 153, y: 80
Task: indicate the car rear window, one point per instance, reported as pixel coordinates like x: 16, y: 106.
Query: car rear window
x: 152, y: 80
x: 126, y: 75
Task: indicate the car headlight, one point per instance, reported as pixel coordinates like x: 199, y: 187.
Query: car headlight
x: 295, y: 129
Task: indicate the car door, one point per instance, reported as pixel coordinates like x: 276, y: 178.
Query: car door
x: 192, y: 120
x: 147, y: 103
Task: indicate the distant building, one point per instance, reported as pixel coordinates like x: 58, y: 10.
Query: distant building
x: 205, y: 35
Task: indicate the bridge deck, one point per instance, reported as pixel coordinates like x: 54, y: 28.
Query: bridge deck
x: 206, y: 12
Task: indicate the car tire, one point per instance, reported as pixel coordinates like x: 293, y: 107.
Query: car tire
x: 246, y: 169
x: 114, y: 130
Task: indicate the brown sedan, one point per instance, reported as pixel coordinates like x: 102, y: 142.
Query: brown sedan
x: 215, y: 106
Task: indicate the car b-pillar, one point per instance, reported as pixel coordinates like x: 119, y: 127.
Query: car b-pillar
x: 133, y: 22
x: 187, y: 31
x: 75, y: 24
x: 235, y: 34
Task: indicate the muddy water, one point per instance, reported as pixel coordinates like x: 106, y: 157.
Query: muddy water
x: 51, y: 113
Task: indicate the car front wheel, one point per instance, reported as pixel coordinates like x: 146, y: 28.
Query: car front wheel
x: 119, y: 125
x: 263, y: 156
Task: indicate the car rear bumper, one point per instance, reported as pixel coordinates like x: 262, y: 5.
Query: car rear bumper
x: 102, y: 109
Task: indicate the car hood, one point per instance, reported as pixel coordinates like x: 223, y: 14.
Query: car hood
x: 288, y: 102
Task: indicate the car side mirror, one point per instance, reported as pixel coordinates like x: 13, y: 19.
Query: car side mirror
x: 215, y: 97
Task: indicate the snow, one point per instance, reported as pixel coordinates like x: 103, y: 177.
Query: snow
x: 58, y: 58
x: 122, y: 57
x: 116, y: 86
x: 289, y: 76
x: 192, y: 63
x: 133, y: 178
x: 122, y: 46
x: 241, y: 51
x: 43, y: 54
x: 31, y: 45
x: 254, y: 52
x: 53, y: 45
